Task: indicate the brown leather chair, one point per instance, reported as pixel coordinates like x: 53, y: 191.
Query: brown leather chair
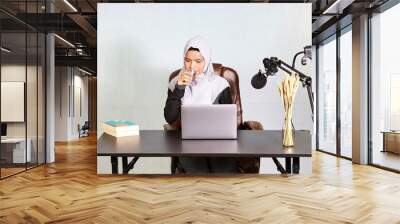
x: 245, y: 165
x: 233, y: 79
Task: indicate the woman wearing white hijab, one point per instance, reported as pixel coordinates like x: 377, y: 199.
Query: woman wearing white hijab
x: 202, y: 87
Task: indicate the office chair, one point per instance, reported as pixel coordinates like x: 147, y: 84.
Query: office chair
x: 245, y: 165
x: 84, y: 130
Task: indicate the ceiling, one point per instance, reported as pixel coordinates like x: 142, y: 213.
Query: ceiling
x: 76, y: 21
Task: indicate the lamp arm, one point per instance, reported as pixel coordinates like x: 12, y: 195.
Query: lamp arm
x: 305, y: 80
x: 295, y: 56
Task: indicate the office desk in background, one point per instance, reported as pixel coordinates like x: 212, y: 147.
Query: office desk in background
x: 391, y: 141
x: 13, y: 150
x: 159, y: 143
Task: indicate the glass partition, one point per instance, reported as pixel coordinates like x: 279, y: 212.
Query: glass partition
x: 346, y: 93
x: 385, y: 89
x: 327, y: 96
x: 22, y: 77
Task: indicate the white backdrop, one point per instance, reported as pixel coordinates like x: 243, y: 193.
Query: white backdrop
x: 139, y: 45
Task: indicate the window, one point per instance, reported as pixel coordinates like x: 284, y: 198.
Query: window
x: 385, y: 88
x: 327, y: 96
x: 346, y: 93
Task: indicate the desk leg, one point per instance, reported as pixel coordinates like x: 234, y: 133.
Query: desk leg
x: 209, y: 166
x: 288, y: 164
x: 124, y: 163
x: 126, y: 167
x: 114, y: 164
x: 179, y: 166
x: 384, y: 143
x: 174, y: 164
x: 296, y: 165
x: 279, y: 165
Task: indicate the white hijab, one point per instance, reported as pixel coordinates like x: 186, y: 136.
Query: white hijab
x: 201, y: 44
x: 207, y: 85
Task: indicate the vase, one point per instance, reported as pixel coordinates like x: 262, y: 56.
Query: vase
x: 288, y: 133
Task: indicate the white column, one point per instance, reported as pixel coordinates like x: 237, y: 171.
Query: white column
x: 360, y: 90
x: 50, y: 99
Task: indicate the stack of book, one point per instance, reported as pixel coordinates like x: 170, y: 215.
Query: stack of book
x: 120, y: 128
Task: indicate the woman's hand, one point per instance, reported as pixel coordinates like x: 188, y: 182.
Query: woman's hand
x: 185, y: 77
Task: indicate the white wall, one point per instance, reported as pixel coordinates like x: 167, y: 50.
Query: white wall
x: 139, y: 45
x: 61, y: 103
x: 17, y: 73
x: 69, y: 81
x: 314, y: 86
x: 12, y: 100
x: 80, y: 82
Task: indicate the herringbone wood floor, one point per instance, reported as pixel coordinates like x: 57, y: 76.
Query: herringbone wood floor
x: 69, y: 191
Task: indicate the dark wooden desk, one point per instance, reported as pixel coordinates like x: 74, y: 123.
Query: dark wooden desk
x: 159, y: 143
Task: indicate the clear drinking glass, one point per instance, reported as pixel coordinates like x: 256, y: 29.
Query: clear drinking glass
x: 189, y: 72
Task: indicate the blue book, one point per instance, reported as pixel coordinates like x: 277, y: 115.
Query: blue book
x: 120, y: 123
x: 120, y: 128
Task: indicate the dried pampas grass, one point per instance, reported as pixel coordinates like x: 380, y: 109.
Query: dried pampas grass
x: 288, y: 89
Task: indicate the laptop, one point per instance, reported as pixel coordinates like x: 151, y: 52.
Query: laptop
x: 218, y: 121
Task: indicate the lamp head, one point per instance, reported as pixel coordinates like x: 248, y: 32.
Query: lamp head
x: 307, y: 55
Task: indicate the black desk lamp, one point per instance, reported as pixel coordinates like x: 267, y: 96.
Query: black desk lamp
x: 271, y: 66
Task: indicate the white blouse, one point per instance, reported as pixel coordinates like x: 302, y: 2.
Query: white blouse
x: 203, y: 90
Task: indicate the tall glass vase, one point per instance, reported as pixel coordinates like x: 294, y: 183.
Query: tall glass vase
x: 288, y: 133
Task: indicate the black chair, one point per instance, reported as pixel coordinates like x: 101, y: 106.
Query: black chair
x: 84, y: 130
